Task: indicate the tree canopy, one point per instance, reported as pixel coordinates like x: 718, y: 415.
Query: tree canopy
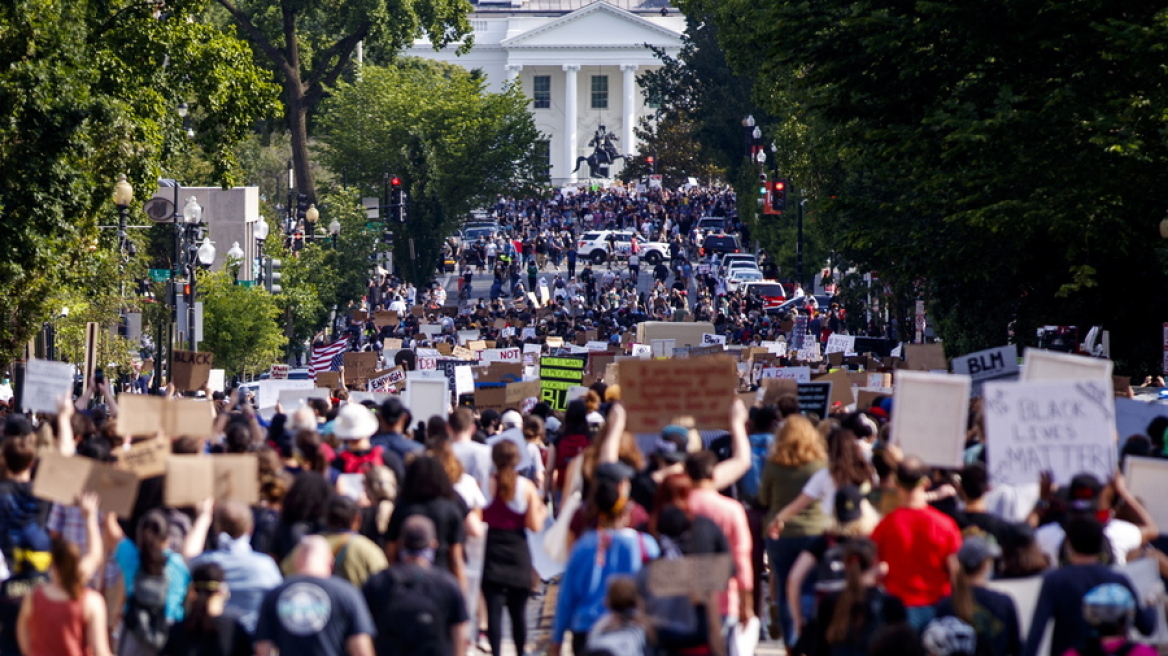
x: 1005, y: 159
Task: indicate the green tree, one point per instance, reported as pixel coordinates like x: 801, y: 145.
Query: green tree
x: 309, y: 44
x: 1006, y: 159
x: 455, y: 145
x: 88, y: 90
x: 240, y: 324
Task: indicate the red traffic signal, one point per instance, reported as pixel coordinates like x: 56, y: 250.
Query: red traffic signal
x: 395, y: 181
x: 649, y: 159
x: 780, y: 185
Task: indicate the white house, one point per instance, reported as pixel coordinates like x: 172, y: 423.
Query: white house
x: 577, y: 60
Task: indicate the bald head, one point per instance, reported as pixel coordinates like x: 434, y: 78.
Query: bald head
x: 314, y: 557
x: 233, y: 518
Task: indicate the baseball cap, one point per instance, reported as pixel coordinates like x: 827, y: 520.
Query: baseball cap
x: 1084, y: 492
x: 671, y: 446
x: 614, y: 471
x: 975, y: 550
x: 17, y: 426
x: 512, y: 419
x: 418, y: 533
x: 848, y: 502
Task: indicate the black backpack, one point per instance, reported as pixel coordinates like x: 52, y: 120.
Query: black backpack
x: 146, y: 611
x: 418, y: 624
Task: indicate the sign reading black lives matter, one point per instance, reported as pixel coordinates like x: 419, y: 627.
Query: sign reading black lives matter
x: 1065, y: 427
x: 556, y: 376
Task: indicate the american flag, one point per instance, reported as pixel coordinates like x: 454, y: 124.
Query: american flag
x: 328, y: 357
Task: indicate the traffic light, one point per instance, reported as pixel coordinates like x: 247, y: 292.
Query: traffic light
x: 301, y: 205
x: 779, y: 195
x: 397, y: 200
x: 652, y: 162
x: 272, y: 275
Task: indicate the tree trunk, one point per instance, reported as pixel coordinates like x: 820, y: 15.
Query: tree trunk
x: 298, y: 129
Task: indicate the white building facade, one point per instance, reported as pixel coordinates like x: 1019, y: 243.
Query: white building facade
x: 578, y: 66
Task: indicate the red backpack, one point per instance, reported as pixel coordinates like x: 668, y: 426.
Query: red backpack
x: 355, y: 464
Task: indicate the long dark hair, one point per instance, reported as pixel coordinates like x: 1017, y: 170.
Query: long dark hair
x: 846, y: 461
x: 306, y: 500
x: 425, y: 480
x: 153, y: 537
x: 505, y: 455
x: 206, y: 580
x: 851, y: 607
x: 66, y: 559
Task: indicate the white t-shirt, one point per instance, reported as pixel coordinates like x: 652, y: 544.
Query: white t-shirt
x: 468, y: 488
x: 821, y: 487
x: 476, y: 461
x: 1123, y: 536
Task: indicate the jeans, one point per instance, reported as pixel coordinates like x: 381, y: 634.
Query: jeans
x: 782, y: 554
x: 919, y: 616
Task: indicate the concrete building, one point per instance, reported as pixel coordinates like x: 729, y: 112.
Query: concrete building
x: 577, y: 60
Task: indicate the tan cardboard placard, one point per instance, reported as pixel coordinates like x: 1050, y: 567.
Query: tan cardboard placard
x: 445, y: 348
x: 237, y: 477
x: 190, y: 479
x: 925, y: 357
x: 655, y: 392
x: 61, y: 478
x: 932, y: 412
x: 865, y: 398
x: 418, y: 311
x: 555, y: 341
x: 518, y: 392
x: 360, y: 367
x: 1121, y: 385
x: 476, y: 344
x: 581, y: 339
x: 612, y: 374
x: 142, y: 415
x: 383, y: 318
x: 490, y: 397
x: 698, y: 575
x: 835, y: 359
x: 749, y: 399
x: 360, y: 316
x: 192, y: 369
x: 392, y: 343
x: 145, y: 459
x: 500, y: 324
x: 501, y: 372
x: 463, y: 353
x: 774, y: 388
x: 841, y: 387
x: 328, y: 379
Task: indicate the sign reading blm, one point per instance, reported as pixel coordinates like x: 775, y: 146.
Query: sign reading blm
x: 1064, y: 427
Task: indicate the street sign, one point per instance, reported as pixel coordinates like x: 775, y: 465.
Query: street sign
x: 160, y: 275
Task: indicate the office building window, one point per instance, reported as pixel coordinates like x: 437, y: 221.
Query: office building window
x: 541, y: 91
x: 543, y: 155
x: 599, y: 92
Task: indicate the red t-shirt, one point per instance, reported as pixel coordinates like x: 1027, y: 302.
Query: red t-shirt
x: 916, y: 544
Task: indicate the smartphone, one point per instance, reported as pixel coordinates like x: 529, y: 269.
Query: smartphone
x: 99, y: 376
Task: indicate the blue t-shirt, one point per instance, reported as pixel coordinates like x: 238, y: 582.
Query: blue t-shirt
x: 596, y: 557
x: 178, y: 577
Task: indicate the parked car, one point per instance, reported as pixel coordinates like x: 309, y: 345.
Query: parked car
x: 712, y: 223
x: 719, y: 244
x: 593, y: 246
x: 740, y: 275
x: 774, y: 297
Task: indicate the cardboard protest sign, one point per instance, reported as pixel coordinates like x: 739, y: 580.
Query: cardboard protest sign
x: 642, y: 351
x: 865, y: 397
x: 291, y: 399
x: 360, y: 316
x: 501, y: 372
x: 418, y: 311
x: 841, y: 388
x: 383, y: 318
x: 359, y: 367
x: 991, y: 364
x: 797, y: 374
x: 655, y: 392
x: 518, y: 392
x: 61, y: 478
x: 554, y: 341
x: 814, y: 398
x: 1147, y: 480
x: 612, y: 373
x: 837, y: 343
x: 504, y: 355
x: 465, y: 336
x: 709, y: 339
x: 393, y: 343
x: 1052, y: 365
x: 557, y: 374
x: 427, y: 397
x: 143, y: 415
x: 698, y: 575
x: 395, y: 377
x: 926, y: 357
x: 279, y: 372
x: 477, y: 345
x: 190, y: 479
x: 662, y: 348
x: 328, y: 379
x: 44, y: 382
x: 492, y: 397
x: 463, y: 353
x: 932, y: 415
x: 776, y: 388
x: 1065, y: 427
x: 191, y: 370
x: 145, y: 459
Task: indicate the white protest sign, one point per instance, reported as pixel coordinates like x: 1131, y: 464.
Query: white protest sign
x: 896, y: 352
x: 662, y: 348
x: 577, y: 392
x: 44, y: 381
x: 988, y: 364
x: 775, y: 348
x: 1052, y: 365
x: 1147, y: 480
x: 463, y: 381
x: 430, y: 329
x: 931, y: 417
x: 1132, y: 416
x: 596, y: 346
x: 797, y: 374
x: 1066, y: 427
x: 509, y: 355
x: 376, y: 397
x: 528, y: 333
x: 810, y: 351
x: 642, y: 351
x: 531, y: 353
x: 709, y: 339
x: 269, y: 390
x: 509, y: 331
x: 427, y: 363
x: 837, y: 343
x: 291, y: 399
x: 465, y: 336
x: 426, y: 397
x: 217, y: 380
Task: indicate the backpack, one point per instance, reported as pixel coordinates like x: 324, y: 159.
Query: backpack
x: 355, y: 464
x: 759, y: 448
x: 831, y: 574
x: 413, y: 611
x: 146, y: 611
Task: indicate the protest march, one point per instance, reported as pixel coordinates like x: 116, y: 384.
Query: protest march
x: 604, y: 433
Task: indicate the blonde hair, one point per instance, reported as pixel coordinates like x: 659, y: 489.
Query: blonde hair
x: 798, y: 443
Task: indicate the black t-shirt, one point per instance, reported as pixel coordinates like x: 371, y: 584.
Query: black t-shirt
x: 22, y: 520
x: 995, y: 619
x: 309, y: 616
x: 229, y: 639
x: 414, y: 609
x: 978, y: 523
x: 881, y: 609
x: 448, y: 517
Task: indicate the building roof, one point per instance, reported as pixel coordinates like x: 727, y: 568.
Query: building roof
x: 560, y: 7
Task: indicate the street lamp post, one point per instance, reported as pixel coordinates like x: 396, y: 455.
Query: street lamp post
x: 748, y: 125
x: 123, y: 196
x: 335, y: 231
x: 260, y: 232
x: 311, y: 216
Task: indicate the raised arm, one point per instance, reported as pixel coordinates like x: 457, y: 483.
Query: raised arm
x: 94, y: 553
x: 615, y: 429
x: 728, y: 472
x: 65, y: 444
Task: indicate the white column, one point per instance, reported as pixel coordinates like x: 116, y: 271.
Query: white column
x: 629, y: 106
x: 570, y: 119
x: 513, y: 71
